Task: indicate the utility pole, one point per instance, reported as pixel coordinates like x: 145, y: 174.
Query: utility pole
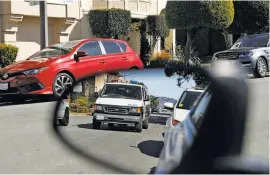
x: 43, y: 24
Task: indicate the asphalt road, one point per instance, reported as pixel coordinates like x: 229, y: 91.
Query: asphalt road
x: 28, y: 145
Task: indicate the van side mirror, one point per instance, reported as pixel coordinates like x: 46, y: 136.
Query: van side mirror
x: 96, y: 94
x: 168, y: 106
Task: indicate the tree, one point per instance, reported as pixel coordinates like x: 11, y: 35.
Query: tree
x: 250, y: 17
x: 193, y: 15
x: 156, y: 27
x: 154, y: 101
x: 109, y: 23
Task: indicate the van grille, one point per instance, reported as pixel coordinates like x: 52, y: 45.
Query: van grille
x: 228, y: 55
x: 116, y: 110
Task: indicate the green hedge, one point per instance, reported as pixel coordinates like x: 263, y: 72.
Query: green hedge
x: 108, y: 23
x: 201, y: 42
x: 8, y: 54
x: 80, y: 105
x: 193, y: 14
x: 156, y: 26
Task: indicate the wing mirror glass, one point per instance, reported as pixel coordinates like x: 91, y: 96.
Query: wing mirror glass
x: 120, y: 126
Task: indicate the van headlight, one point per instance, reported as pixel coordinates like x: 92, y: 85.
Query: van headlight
x: 97, y: 108
x: 135, y: 110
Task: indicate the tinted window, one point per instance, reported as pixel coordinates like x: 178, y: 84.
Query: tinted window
x: 252, y: 41
x: 198, y: 113
x: 111, y: 47
x: 92, y: 48
x: 187, y: 99
x: 123, y: 47
x: 121, y: 91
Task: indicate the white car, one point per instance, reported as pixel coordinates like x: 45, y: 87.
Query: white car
x: 63, y: 113
x: 182, y: 107
x: 122, y: 104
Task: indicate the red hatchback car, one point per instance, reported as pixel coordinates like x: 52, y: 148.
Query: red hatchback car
x: 50, y: 70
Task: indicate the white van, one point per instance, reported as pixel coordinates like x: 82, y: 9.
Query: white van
x: 122, y: 104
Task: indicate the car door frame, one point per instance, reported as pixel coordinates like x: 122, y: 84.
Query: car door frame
x: 114, y: 57
x: 94, y: 58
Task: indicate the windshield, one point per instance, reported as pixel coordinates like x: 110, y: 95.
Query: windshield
x: 121, y: 91
x: 58, y: 49
x: 251, y: 41
x: 187, y: 99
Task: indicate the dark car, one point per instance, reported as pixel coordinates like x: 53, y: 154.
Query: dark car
x: 252, y: 51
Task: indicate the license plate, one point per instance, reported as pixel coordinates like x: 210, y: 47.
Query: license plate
x: 3, y: 86
x: 99, y: 117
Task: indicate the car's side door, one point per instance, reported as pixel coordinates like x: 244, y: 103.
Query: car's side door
x: 91, y: 63
x: 115, y: 58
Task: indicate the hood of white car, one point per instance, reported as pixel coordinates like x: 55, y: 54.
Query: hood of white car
x: 119, y: 102
x: 180, y: 114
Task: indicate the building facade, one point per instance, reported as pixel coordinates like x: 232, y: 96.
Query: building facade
x: 67, y: 20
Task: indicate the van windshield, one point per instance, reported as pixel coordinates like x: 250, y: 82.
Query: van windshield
x: 187, y: 99
x: 121, y: 91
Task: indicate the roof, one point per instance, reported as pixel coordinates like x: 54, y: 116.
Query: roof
x: 130, y: 84
x: 104, y: 39
x: 254, y: 35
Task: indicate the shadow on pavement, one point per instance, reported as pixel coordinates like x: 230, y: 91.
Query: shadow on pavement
x: 105, y: 127
x: 28, y: 101
x: 158, y: 120
x: 151, y: 147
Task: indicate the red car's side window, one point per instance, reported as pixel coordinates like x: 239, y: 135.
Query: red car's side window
x: 92, y: 48
x: 111, y: 47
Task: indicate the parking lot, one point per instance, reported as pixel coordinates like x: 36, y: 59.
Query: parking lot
x: 28, y: 145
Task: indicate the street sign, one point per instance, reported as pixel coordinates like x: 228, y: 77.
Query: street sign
x: 33, y: 3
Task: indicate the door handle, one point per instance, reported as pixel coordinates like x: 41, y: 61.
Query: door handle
x: 124, y: 58
x: 102, y: 62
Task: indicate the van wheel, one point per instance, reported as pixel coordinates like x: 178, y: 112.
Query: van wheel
x: 65, y: 120
x: 96, y: 124
x: 138, y: 126
x: 145, y: 123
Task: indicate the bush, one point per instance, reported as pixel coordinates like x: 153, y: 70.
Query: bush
x: 193, y: 14
x: 201, y: 41
x: 250, y: 17
x: 8, y: 54
x: 108, y: 23
x: 161, y: 55
x: 156, y: 26
x: 80, y: 105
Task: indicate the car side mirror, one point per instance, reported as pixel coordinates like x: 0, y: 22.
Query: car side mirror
x: 80, y: 54
x: 168, y: 106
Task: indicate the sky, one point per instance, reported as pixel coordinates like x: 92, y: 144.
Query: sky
x: 156, y: 81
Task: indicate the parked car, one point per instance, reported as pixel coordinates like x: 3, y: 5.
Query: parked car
x: 63, y: 112
x: 253, y: 52
x: 182, y: 107
x: 132, y: 109
x: 50, y: 70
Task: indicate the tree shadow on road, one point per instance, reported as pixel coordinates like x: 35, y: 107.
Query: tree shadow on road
x: 151, y: 147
